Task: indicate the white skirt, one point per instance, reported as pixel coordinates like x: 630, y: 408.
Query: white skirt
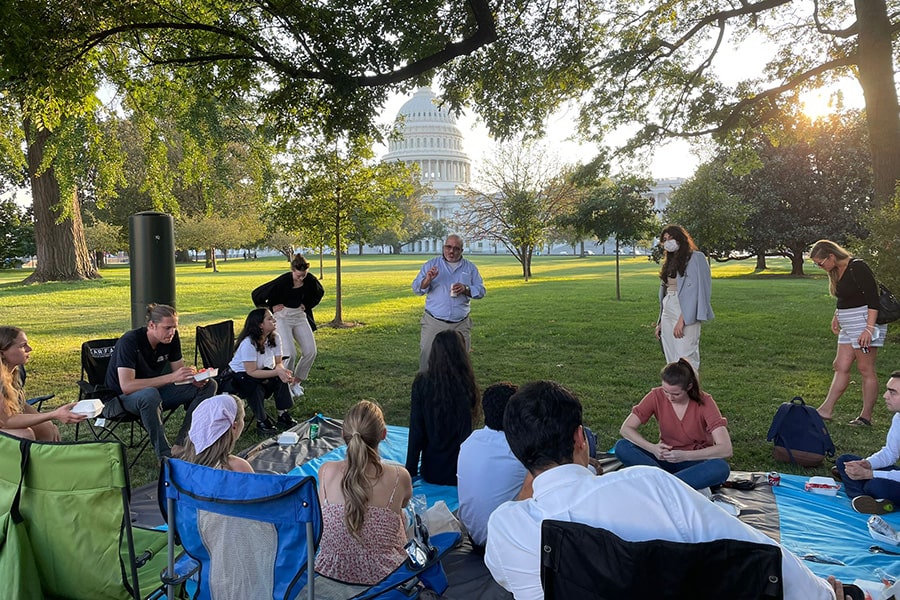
x: 853, y: 322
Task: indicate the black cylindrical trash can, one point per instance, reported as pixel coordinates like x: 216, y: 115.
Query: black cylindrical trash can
x: 151, y: 239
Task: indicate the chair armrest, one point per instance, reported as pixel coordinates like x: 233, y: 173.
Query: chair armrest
x: 37, y: 402
x: 185, y: 568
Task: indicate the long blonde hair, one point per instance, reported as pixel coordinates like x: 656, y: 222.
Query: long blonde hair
x: 216, y: 456
x: 363, y: 431
x: 822, y: 249
x: 11, y: 394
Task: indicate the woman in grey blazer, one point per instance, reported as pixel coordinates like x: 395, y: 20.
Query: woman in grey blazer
x: 684, y: 296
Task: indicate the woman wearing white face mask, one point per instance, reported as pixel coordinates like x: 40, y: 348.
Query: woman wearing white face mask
x: 684, y: 296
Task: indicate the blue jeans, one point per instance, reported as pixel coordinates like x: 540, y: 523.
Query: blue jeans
x: 148, y: 403
x: 876, y: 487
x: 698, y: 474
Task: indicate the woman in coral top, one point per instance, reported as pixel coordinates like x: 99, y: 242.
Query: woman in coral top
x: 693, y: 437
x: 362, y: 505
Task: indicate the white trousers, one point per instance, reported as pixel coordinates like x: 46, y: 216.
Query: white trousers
x: 688, y: 346
x: 292, y: 324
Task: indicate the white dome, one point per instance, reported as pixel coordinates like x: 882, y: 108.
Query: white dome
x: 432, y: 140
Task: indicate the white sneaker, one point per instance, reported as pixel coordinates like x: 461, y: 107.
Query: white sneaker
x: 296, y: 389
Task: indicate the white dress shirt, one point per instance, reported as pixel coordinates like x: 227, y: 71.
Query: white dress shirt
x: 637, y: 504
x: 888, y: 455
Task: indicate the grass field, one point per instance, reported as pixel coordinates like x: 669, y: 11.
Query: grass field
x: 770, y: 341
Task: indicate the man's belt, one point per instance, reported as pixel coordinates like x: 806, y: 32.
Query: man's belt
x: 444, y: 320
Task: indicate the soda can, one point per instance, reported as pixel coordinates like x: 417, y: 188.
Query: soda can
x: 313, y: 431
x: 773, y: 478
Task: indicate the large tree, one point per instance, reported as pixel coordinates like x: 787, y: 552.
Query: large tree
x: 524, y: 191
x: 659, y: 73
x: 813, y: 183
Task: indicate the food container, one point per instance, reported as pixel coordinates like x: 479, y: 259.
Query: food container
x: 89, y: 408
x: 204, y: 374
x: 822, y: 485
x: 288, y: 438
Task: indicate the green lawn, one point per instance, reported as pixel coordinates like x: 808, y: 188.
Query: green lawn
x: 770, y: 340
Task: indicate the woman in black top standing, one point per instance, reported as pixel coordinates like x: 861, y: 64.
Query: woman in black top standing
x: 859, y: 337
x: 445, y: 405
x: 291, y: 298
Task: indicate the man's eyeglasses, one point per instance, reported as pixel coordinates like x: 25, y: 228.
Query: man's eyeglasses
x: 449, y: 247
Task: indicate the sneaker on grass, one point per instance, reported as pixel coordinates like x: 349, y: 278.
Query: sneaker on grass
x: 868, y: 505
x: 296, y: 390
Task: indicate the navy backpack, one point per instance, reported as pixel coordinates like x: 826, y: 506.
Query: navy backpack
x: 800, y: 435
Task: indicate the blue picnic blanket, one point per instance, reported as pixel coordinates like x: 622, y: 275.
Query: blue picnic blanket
x: 826, y: 528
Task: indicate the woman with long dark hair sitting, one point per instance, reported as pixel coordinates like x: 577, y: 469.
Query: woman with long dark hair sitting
x: 259, y: 371
x: 445, y: 404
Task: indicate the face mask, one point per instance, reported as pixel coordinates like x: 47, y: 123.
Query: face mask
x: 670, y: 245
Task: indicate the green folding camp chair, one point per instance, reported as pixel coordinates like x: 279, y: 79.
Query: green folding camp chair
x: 74, y: 503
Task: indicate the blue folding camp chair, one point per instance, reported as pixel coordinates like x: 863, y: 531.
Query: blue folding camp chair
x: 252, y: 535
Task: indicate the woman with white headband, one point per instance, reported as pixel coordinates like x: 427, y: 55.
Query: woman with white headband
x: 216, y: 426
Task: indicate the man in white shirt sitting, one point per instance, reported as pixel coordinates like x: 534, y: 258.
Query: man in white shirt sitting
x: 487, y: 473
x: 544, y: 430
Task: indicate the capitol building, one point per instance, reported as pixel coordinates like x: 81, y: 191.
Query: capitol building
x: 432, y: 140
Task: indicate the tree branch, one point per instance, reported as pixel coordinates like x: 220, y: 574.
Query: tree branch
x: 485, y: 33
x: 841, y: 33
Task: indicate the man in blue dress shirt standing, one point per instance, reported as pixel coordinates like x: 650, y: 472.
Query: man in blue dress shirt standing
x: 449, y: 282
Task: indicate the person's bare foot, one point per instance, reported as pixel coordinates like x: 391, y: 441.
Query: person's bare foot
x: 823, y: 415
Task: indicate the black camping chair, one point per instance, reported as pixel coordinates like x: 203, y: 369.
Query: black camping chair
x: 214, y: 345
x: 95, y: 357
x: 37, y: 402
x: 589, y: 563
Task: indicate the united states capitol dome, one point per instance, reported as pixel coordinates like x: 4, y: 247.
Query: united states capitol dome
x: 432, y: 140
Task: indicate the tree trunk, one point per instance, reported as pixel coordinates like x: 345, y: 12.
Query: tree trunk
x: 211, y: 260
x: 761, y: 261
x: 62, y: 253
x: 797, y: 261
x: 876, y: 75
x: 338, y: 307
x: 530, y: 255
x: 618, y: 289
x: 582, y: 249
x: 182, y: 256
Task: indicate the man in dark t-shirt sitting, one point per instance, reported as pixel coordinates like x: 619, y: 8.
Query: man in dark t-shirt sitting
x: 145, y: 369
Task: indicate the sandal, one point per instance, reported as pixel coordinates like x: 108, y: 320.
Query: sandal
x: 860, y: 422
